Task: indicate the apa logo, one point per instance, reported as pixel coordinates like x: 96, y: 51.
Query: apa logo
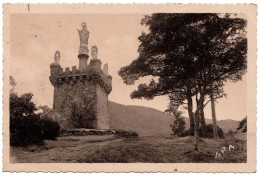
x: 223, y: 150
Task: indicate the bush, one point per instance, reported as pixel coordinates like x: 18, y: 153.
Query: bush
x: 187, y: 133
x: 26, y: 127
x: 32, y: 130
x: 209, y: 131
x: 243, y: 125
x: 178, y: 126
x: 126, y: 134
x: 50, y: 129
x: 25, y: 131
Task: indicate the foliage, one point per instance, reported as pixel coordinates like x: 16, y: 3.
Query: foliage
x: 26, y: 127
x: 81, y: 116
x: 25, y: 131
x: 178, y: 126
x: 230, y: 133
x: 243, y: 125
x: 21, y: 106
x: 188, y: 55
x: 209, y: 131
x: 49, y: 128
x: 180, y: 43
x: 44, y: 110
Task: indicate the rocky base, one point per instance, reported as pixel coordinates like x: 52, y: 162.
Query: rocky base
x: 84, y: 132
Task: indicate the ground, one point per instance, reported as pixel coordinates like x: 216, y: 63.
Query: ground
x: 109, y: 148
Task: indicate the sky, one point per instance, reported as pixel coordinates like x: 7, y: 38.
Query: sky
x: 36, y: 37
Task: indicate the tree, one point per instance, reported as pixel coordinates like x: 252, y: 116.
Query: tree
x: 227, y: 53
x: 243, y: 125
x: 209, y: 131
x: 24, y: 124
x: 178, y: 126
x: 162, y: 57
x: 27, y: 127
x: 44, y: 110
x: 21, y: 106
x: 191, y: 55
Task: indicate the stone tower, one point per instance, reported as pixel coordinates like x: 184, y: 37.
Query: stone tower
x: 81, y: 95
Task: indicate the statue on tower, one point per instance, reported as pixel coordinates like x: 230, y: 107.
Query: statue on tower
x: 105, y: 69
x: 83, y: 36
x: 94, y: 52
x: 57, y: 57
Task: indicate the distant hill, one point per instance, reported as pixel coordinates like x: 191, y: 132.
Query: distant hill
x: 151, y: 122
x: 226, y: 125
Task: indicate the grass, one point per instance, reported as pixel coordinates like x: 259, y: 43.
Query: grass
x: 111, y: 149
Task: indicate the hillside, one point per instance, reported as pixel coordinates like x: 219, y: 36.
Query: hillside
x: 145, y: 121
x: 112, y: 149
x: 150, y: 122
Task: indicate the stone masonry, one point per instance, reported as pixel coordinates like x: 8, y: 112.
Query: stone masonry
x: 81, y: 95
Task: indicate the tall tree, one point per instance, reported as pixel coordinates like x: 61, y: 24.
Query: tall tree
x: 162, y: 55
x: 189, y: 55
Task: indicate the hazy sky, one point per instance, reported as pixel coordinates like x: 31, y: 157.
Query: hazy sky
x: 35, y: 38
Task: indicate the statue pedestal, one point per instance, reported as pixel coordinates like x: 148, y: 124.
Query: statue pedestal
x: 55, y: 68
x: 95, y: 64
x: 83, y: 61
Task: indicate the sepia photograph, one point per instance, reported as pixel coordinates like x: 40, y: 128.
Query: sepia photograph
x: 159, y: 87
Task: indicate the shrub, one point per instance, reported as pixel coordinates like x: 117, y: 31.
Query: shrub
x: 209, y: 131
x: 50, y: 129
x: 178, y: 126
x: 26, y: 127
x: 126, y: 134
x: 187, y: 133
x: 82, y: 114
x: 25, y: 131
x: 243, y: 125
x: 32, y: 130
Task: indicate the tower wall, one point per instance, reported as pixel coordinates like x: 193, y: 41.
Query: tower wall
x: 76, y: 100
x: 102, y: 109
x: 81, y: 97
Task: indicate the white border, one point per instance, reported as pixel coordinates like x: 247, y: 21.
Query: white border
x: 124, y: 2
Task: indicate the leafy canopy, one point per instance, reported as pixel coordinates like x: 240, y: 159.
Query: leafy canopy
x: 188, y: 51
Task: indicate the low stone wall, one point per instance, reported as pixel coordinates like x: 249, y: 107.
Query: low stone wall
x: 84, y: 132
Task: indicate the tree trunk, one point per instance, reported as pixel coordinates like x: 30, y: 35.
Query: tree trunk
x: 202, y: 121
x: 196, y: 121
x: 196, y: 129
x: 201, y: 118
x: 190, y: 108
x: 213, y: 111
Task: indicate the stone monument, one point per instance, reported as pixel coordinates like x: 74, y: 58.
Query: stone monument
x: 81, y: 95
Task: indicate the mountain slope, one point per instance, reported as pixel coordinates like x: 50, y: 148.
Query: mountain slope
x: 151, y: 122
x: 145, y: 121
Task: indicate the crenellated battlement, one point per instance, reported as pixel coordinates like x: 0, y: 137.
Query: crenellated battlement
x: 70, y: 75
